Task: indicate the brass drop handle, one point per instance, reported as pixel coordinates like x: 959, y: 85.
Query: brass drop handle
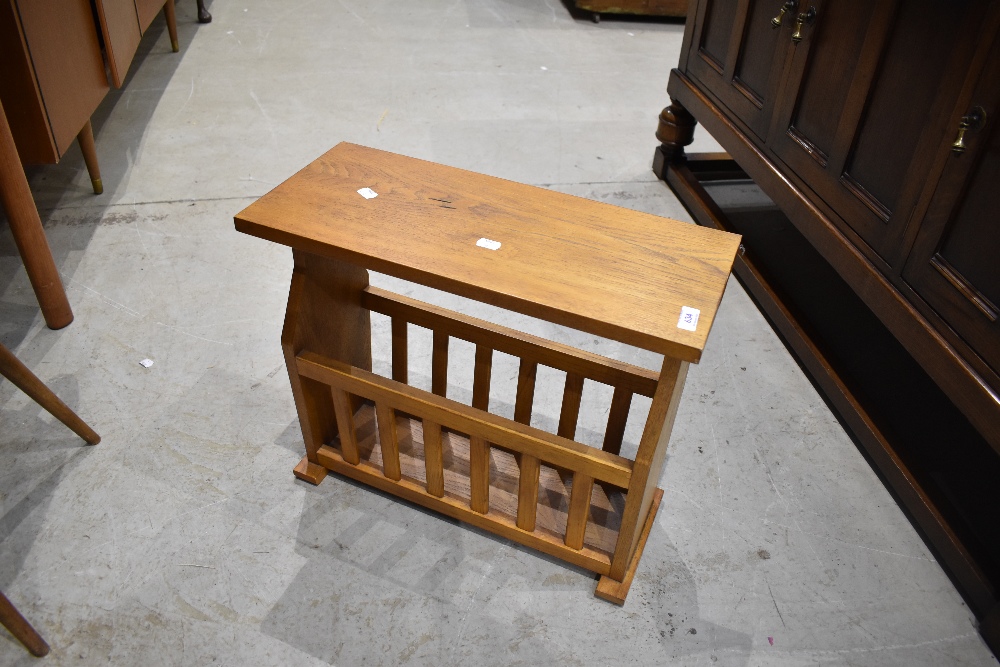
x: 807, y: 16
x: 789, y: 6
x: 970, y: 121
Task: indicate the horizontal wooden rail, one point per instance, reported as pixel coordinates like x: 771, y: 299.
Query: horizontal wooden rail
x: 494, y: 522
x: 510, y: 341
x: 505, y: 433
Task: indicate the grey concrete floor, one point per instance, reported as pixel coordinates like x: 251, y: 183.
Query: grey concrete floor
x: 183, y: 539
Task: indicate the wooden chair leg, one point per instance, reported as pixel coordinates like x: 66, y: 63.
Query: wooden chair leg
x: 26, y: 227
x: 22, y: 378
x: 203, y: 15
x: 21, y: 629
x: 89, y: 150
x: 168, y: 11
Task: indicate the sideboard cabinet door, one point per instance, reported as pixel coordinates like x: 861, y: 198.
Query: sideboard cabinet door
x: 738, y: 54
x: 864, y: 107
x: 955, y: 262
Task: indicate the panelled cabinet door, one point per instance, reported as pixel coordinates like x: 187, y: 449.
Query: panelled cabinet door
x: 955, y: 261
x: 738, y: 54
x: 864, y: 105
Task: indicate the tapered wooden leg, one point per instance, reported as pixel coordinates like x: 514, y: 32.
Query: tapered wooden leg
x: 675, y: 131
x: 21, y: 629
x: 203, y: 15
x: 170, y: 13
x: 89, y: 150
x: 22, y: 378
x: 26, y: 227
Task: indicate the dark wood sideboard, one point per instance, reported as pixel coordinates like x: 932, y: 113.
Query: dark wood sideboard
x: 873, y: 131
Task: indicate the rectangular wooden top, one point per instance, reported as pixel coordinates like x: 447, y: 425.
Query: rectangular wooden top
x: 599, y: 268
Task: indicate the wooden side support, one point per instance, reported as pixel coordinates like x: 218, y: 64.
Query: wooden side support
x: 324, y: 315
x: 648, y: 463
x: 616, y: 591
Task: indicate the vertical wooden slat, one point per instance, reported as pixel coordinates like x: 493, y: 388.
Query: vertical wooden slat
x: 620, y: 403
x: 387, y: 438
x: 439, y: 364
x: 527, y: 492
x: 479, y: 474
x: 345, y: 425
x: 579, y: 510
x: 433, y: 459
x: 400, y: 358
x: 525, y: 391
x: 481, y: 379
x: 570, y: 405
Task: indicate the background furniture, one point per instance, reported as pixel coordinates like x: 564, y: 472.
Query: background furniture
x: 11, y: 619
x: 22, y: 378
x: 608, y: 271
x: 873, y: 128
x: 52, y: 73
x: 51, y: 78
x: 203, y: 15
x: 647, y: 7
x: 123, y: 23
x: 26, y: 227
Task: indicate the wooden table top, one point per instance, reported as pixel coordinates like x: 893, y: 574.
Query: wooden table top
x: 599, y: 268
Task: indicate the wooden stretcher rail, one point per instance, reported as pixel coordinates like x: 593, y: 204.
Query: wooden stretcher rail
x: 477, y: 424
x: 495, y: 522
x: 445, y: 323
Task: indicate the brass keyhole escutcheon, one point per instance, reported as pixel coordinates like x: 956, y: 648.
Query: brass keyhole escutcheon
x: 789, y: 6
x: 807, y: 16
x: 973, y: 121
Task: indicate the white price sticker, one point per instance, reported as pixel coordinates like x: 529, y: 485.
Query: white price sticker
x: 488, y: 244
x: 688, y: 319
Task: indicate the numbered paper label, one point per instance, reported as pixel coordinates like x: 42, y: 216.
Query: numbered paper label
x: 688, y: 319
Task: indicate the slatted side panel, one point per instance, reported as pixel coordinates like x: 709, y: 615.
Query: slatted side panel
x: 530, y: 446
x: 532, y: 352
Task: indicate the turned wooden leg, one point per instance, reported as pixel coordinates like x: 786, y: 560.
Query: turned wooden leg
x: 675, y: 131
x: 21, y: 629
x: 22, y: 378
x: 171, y: 14
x: 89, y: 150
x: 203, y: 15
x: 26, y: 227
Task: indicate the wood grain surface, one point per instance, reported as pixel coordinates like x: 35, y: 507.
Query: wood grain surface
x: 606, y: 270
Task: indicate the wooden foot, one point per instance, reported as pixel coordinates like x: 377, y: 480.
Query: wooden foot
x: 616, y: 591
x: 203, y: 15
x: 22, y: 378
x: 309, y: 472
x: 171, y: 15
x: 675, y: 131
x: 26, y: 227
x: 89, y: 150
x: 21, y: 629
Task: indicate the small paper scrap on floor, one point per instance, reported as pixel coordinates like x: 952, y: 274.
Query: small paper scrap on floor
x: 770, y: 640
x: 146, y: 363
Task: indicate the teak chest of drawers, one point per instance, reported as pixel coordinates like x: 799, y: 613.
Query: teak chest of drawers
x: 598, y: 268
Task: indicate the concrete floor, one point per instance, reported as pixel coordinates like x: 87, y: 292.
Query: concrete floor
x: 183, y: 539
